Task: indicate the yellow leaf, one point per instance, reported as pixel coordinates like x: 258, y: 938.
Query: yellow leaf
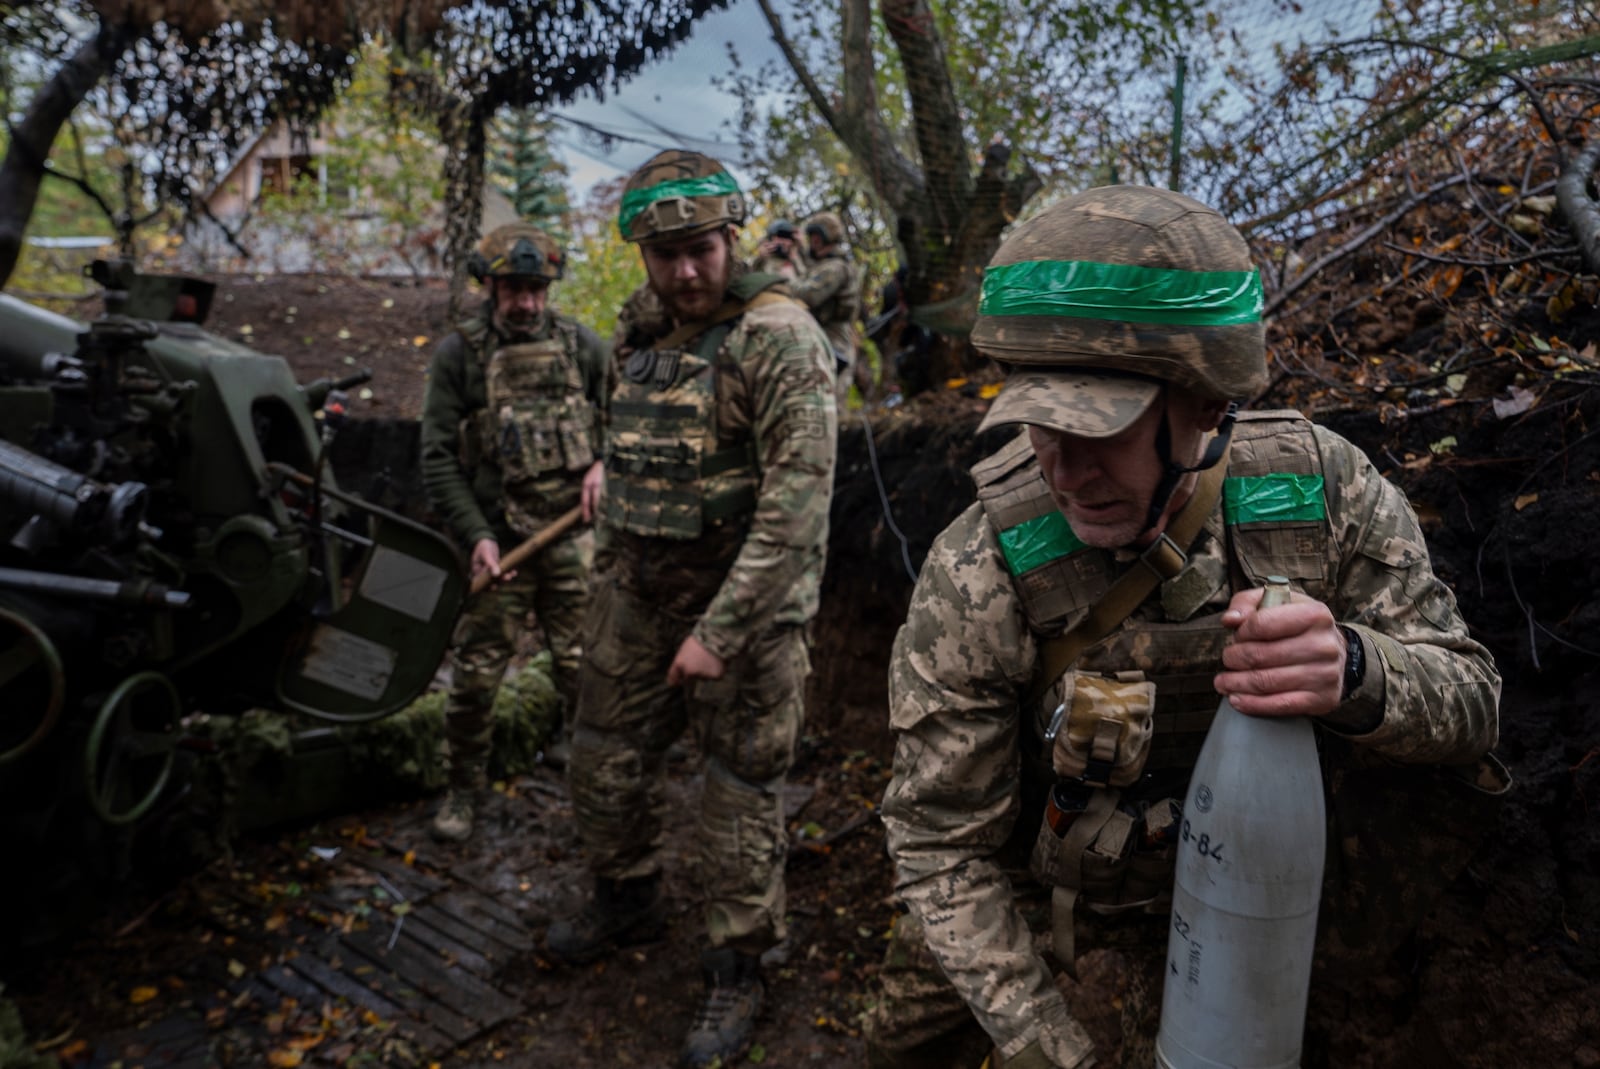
x: 410, y: 857
x: 420, y: 340
x: 1524, y: 500
x: 247, y: 330
x: 388, y: 302
x: 235, y: 969
x: 344, y: 335
x: 989, y: 390
x: 284, y: 1059
x: 142, y: 994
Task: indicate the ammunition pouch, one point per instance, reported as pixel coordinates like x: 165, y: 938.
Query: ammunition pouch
x: 1111, y: 856
x: 1101, y: 726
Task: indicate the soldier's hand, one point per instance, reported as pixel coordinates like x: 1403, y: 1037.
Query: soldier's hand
x: 594, y: 488
x: 486, y: 561
x: 692, y: 662
x: 1283, y: 661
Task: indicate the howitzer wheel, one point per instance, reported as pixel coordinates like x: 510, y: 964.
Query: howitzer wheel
x: 31, y: 678
x: 132, y: 747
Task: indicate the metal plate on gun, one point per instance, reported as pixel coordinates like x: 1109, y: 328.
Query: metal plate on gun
x: 403, y: 583
x: 347, y: 662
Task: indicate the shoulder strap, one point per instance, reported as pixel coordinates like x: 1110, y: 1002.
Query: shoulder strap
x: 1163, y: 560
x: 729, y: 310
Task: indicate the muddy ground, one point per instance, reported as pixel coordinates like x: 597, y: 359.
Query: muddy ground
x: 1504, y: 972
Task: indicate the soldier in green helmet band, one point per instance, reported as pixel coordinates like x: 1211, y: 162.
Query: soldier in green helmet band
x: 719, y: 470
x: 831, y: 288
x: 511, y: 439
x: 1040, y: 765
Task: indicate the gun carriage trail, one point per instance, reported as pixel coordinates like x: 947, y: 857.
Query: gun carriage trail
x: 352, y: 938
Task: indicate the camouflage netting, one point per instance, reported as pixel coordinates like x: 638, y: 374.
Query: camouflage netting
x: 266, y: 777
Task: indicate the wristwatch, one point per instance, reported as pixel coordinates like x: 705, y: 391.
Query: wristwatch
x: 1355, y: 663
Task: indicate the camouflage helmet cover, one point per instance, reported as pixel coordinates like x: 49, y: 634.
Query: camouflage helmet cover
x: 678, y: 194
x: 1116, y: 282
x: 517, y: 249
x: 828, y: 226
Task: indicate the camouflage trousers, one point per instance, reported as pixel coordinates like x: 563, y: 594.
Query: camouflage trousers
x: 554, y: 586
x: 746, y: 724
x: 920, y: 1022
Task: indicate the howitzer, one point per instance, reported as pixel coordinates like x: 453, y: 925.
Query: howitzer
x: 172, y: 542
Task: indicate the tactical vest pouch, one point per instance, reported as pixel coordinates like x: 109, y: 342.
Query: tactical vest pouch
x: 1112, y: 856
x: 542, y: 421
x: 1100, y: 727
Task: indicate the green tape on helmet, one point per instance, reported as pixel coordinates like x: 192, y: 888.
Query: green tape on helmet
x: 1084, y: 289
x: 636, y: 201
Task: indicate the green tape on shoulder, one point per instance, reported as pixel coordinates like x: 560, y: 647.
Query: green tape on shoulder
x: 1038, y: 541
x: 1273, y: 499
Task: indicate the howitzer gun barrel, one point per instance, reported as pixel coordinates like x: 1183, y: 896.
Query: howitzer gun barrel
x: 132, y: 592
x: 68, y: 501
x: 28, y: 334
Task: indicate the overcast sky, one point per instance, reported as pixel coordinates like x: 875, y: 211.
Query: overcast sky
x: 674, y: 94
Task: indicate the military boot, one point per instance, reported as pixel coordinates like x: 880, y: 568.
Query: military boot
x: 726, y: 1020
x: 621, y: 913
x: 453, y: 822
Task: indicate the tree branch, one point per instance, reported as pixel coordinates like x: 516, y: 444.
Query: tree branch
x: 23, y: 168
x: 1348, y: 248
x: 1577, y: 207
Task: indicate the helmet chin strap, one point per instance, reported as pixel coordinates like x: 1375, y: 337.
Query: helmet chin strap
x: 1173, y: 472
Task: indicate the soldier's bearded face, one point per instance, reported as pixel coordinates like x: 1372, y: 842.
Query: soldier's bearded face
x: 519, y: 301
x: 690, y: 276
x: 1103, y: 486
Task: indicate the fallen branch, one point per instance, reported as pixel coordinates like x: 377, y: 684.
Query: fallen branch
x: 1577, y: 207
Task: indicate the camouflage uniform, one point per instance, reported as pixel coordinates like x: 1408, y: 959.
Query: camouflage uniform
x: 722, y: 540
x: 967, y: 969
x: 967, y: 653
x: 831, y: 288
x: 488, y: 480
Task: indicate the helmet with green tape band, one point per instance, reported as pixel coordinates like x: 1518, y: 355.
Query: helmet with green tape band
x: 678, y: 194
x: 1132, y: 280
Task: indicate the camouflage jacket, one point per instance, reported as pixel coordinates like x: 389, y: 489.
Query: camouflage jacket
x: 462, y: 480
x: 831, y: 288
x: 966, y: 655
x: 774, y: 390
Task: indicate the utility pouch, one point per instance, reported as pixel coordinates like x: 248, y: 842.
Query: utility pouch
x: 1100, y: 727
x: 574, y: 428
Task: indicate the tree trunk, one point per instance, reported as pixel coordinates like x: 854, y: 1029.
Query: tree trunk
x: 1577, y: 207
x: 23, y: 168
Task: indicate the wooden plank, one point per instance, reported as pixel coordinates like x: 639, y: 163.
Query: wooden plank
x: 409, y: 880
x: 353, y: 990
x: 488, y: 916
x: 439, y: 932
x: 450, y: 984
x: 400, y: 991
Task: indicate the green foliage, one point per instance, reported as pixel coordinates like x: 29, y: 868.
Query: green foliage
x: 602, y: 269
x: 521, y: 165
x: 380, y: 168
x: 16, y: 1051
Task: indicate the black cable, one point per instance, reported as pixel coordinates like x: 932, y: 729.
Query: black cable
x: 883, y: 496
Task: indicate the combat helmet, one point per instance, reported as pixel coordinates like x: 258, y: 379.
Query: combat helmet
x: 517, y: 249
x: 1132, y: 280
x: 826, y: 225
x: 782, y: 228
x: 678, y: 194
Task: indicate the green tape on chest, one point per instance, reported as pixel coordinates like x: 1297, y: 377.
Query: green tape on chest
x: 1037, y: 541
x: 1273, y: 499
